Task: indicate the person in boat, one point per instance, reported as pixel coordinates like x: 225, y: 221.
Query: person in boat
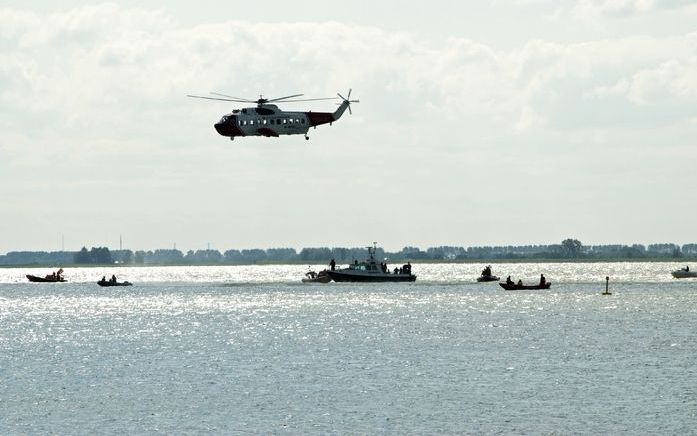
x: 520, y: 282
x: 543, y: 280
x: 332, y: 264
x: 686, y: 269
x: 408, y: 267
x: 396, y: 270
x: 487, y: 271
x: 113, y: 278
x: 103, y: 280
x: 509, y: 281
x: 310, y: 274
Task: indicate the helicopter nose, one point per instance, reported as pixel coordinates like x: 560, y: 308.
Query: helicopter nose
x: 222, y: 128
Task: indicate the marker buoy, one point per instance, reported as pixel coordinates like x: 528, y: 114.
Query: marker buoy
x: 607, y: 286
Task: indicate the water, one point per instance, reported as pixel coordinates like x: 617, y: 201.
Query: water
x: 252, y: 350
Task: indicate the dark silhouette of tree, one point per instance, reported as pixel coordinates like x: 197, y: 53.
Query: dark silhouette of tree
x: 139, y: 257
x: 100, y: 255
x: 571, y: 248
x: 96, y: 255
x: 82, y: 256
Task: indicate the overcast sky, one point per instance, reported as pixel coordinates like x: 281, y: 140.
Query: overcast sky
x: 480, y: 123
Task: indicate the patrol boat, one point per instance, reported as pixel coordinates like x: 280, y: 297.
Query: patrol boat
x: 370, y: 271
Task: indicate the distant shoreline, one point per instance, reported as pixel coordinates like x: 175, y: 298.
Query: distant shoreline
x: 421, y: 262
x: 569, y: 250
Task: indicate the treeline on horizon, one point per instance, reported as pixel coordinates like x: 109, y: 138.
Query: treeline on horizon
x: 569, y: 249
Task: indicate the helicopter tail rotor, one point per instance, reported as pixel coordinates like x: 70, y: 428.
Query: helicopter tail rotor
x: 347, y: 100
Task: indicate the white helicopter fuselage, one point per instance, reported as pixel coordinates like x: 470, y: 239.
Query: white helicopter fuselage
x: 256, y: 120
x: 269, y: 120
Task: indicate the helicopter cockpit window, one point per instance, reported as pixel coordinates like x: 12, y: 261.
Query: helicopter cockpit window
x: 285, y: 121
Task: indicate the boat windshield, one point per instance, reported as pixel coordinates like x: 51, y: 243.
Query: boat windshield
x: 359, y: 266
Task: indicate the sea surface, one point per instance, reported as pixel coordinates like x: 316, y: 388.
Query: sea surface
x: 251, y: 349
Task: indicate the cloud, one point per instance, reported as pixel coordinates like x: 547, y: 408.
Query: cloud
x: 107, y: 68
x: 616, y: 9
x: 622, y: 8
x: 93, y: 100
x: 669, y: 81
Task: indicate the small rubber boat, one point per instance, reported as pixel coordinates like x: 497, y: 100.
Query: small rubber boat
x: 47, y: 279
x: 313, y: 277
x: 481, y: 279
x: 516, y: 287
x: 110, y: 283
x: 682, y: 274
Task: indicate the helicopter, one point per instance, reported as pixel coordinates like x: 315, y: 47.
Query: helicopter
x: 267, y: 119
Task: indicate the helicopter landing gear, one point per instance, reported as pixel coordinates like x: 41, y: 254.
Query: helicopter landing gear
x: 307, y: 138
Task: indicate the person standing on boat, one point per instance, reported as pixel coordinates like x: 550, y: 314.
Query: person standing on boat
x: 332, y: 264
x: 509, y: 281
x: 543, y: 280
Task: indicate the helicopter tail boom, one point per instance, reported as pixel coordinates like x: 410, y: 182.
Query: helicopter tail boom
x: 341, y: 109
x: 317, y: 118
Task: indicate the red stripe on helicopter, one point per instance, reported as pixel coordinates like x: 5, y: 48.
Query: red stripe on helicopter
x: 317, y: 118
x: 265, y: 131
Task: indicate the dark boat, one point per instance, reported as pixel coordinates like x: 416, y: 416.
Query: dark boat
x: 487, y: 276
x: 47, y: 279
x: 515, y: 287
x: 313, y: 277
x: 110, y: 283
x: 370, y: 271
x: 684, y: 273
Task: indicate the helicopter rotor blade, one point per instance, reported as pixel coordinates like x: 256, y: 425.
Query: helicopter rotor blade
x: 283, y: 98
x: 235, y: 98
x: 309, y: 99
x: 220, y: 99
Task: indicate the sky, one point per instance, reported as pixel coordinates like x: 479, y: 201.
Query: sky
x: 479, y: 123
